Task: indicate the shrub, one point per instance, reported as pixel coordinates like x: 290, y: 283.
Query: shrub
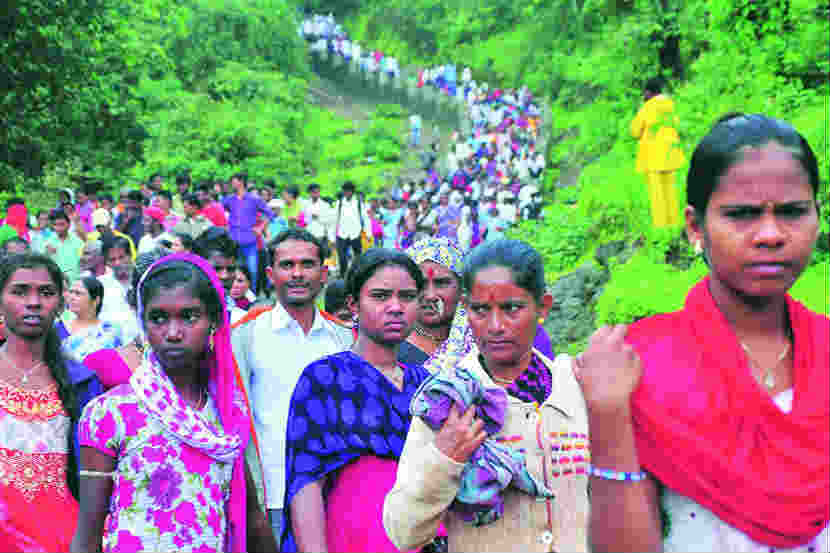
x: 642, y: 288
x: 561, y: 236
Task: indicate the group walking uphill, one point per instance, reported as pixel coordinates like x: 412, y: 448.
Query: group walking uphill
x: 169, y: 380
x: 492, y: 171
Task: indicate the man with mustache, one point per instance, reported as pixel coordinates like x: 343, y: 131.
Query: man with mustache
x: 116, y: 281
x: 273, y: 345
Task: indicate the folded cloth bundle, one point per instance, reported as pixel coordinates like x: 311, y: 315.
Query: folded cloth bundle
x: 493, y: 466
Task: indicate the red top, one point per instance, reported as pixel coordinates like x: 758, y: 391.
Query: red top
x: 215, y: 213
x: 707, y: 430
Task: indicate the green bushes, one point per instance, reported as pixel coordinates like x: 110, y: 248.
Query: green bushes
x: 812, y: 288
x: 642, y: 287
x: 561, y: 236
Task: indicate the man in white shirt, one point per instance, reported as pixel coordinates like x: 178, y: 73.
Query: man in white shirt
x: 274, y: 345
x: 350, y: 219
x: 317, y: 213
x: 116, y: 283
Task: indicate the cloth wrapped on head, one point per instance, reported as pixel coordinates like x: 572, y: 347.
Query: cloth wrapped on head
x: 460, y: 340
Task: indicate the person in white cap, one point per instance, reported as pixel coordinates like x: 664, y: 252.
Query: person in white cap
x: 104, y: 232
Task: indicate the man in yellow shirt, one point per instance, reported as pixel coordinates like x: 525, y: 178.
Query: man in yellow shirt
x: 103, y: 231
x: 658, y: 155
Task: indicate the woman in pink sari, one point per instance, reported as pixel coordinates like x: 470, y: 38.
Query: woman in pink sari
x: 719, y: 414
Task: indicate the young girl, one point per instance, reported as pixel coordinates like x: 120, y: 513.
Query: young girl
x: 41, y: 397
x: 162, y: 455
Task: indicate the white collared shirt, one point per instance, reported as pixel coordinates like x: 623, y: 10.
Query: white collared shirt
x: 318, y: 226
x: 273, y: 351
x: 115, y: 308
x: 347, y: 212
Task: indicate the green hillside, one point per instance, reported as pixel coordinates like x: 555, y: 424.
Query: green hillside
x: 590, y: 60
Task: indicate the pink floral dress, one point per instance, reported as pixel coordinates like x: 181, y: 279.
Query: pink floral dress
x: 166, y: 495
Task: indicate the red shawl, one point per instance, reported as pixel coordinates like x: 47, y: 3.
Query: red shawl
x: 706, y: 430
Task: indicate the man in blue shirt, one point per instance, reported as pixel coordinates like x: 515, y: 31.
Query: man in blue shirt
x: 243, y: 208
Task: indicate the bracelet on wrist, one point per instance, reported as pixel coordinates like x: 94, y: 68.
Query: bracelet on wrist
x: 619, y: 476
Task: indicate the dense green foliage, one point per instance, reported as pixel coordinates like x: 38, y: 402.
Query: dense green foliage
x: 340, y: 150
x: 590, y: 60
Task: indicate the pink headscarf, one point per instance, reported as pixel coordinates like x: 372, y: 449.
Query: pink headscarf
x: 155, y: 213
x: 152, y: 385
x: 17, y: 218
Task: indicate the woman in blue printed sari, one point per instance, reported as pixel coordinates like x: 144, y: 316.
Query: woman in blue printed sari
x: 86, y: 333
x: 349, y: 416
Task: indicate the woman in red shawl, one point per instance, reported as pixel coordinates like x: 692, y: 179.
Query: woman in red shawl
x: 719, y: 414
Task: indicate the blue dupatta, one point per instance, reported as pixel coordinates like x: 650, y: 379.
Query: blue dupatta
x: 342, y: 408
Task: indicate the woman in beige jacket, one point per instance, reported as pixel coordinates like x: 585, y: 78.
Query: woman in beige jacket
x: 545, y: 419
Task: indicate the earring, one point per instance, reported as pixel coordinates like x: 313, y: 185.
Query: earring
x: 541, y: 320
x: 356, y: 323
x: 210, y: 340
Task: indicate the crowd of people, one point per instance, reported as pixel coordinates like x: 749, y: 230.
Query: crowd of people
x: 490, y: 177
x: 151, y: 400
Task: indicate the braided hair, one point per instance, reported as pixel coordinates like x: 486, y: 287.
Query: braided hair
x: 52, y: 356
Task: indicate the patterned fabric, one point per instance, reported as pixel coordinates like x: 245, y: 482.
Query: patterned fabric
x: 533, y: 385
x: 343, y: 408
x: 460, y: 340
x: 30, y: 405
x: 438, y: 250
x: 166, y: 495
x: 493, y: 466
x: 159, y: 396
x: 33, y: 456
x: 446, y: 216
x: 215, y: 443
x: 224, y: 388
x: 105, y: 335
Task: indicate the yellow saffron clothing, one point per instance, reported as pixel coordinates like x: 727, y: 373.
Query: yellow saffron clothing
x: 658, y: 157
x: 662, y: 196
x: 95, y: 235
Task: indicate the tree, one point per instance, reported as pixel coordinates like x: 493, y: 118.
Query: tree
x: 50, y: 103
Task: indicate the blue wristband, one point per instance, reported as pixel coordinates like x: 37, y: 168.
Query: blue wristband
x: 607, y: 474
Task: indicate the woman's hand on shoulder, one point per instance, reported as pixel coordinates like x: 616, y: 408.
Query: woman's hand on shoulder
x: 609, y: 370
x: 461, y: 434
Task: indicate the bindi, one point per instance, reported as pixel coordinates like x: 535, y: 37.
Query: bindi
x: 430, y: 273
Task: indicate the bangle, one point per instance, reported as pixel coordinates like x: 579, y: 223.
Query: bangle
x: 608, y: 474
x: 96, y: 474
